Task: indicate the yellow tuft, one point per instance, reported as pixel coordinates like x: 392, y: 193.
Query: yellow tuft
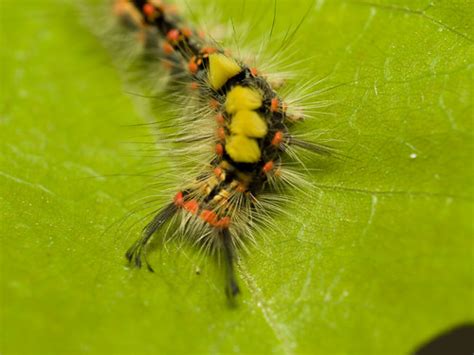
x: 248, y: 123
x: 221, y: 69
x: 242, y: 98
x: 243, y: 149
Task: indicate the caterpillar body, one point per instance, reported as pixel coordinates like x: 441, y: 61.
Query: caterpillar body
x: 240, y: 123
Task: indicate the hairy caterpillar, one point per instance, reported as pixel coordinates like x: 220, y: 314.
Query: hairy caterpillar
x: 239, y: 126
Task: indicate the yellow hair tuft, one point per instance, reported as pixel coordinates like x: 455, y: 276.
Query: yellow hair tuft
x: 242, y: 98
x: 248, y: 123
x: 243, y: 149
x: 221, y: 69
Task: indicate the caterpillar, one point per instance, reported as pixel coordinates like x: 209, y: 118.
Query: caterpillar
x: 239, y: 127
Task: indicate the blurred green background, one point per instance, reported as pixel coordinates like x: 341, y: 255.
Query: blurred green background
x: 377, y: 260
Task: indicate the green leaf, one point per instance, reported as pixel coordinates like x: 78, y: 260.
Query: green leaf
x: 377, y: 259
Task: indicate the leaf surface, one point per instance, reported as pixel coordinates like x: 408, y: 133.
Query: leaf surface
x: 376, y: 259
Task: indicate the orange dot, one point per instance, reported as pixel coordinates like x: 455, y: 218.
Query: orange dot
x: 219, y: 149
x: 208, y: 216
x: 167, y: 48
x: 254, y: 71
x: 221, y: 133
x: 275, y: 105
x: 268, y: 166
x: 208, y: 50
x: 220, y: 118
x: 218, y: 171
x: 191, y: 206
x: 277, y: 138
x: 173, y: 35
x: 214, y: 104
x: 224, y: 222
x: 186, y: 31
x: 148, y: 10
x: 178, y: 199
x: 194, y: 85
x: 202, y: 34
x: 192, y: 66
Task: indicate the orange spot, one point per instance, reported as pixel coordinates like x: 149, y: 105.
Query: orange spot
x: 202, y: 34
x: 220, y: 118
x: 218, y: 171
x: 192, y: 66
x: 277, y: 138
x: 219, y: 149
x: 267, y: 167
x: 148, y: 10
x: 208, y: 50
x: 209, y: 216
x: 186, y: 31
x: 194, y: 85
x: 274, y: 105
x: 178, y: 199
x: 173, y: 35
x: 254, y: 71
x: 223, y: 222
x: 191, y: 206
x: 167, y: 48
x: 221, y: 133
x: 214, y: 104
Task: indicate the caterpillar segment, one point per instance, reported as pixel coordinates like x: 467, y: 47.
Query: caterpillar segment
x: 251, y: 137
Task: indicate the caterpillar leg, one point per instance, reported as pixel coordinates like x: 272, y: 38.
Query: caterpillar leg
x: 138, y: 249
x: 232, y: 288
